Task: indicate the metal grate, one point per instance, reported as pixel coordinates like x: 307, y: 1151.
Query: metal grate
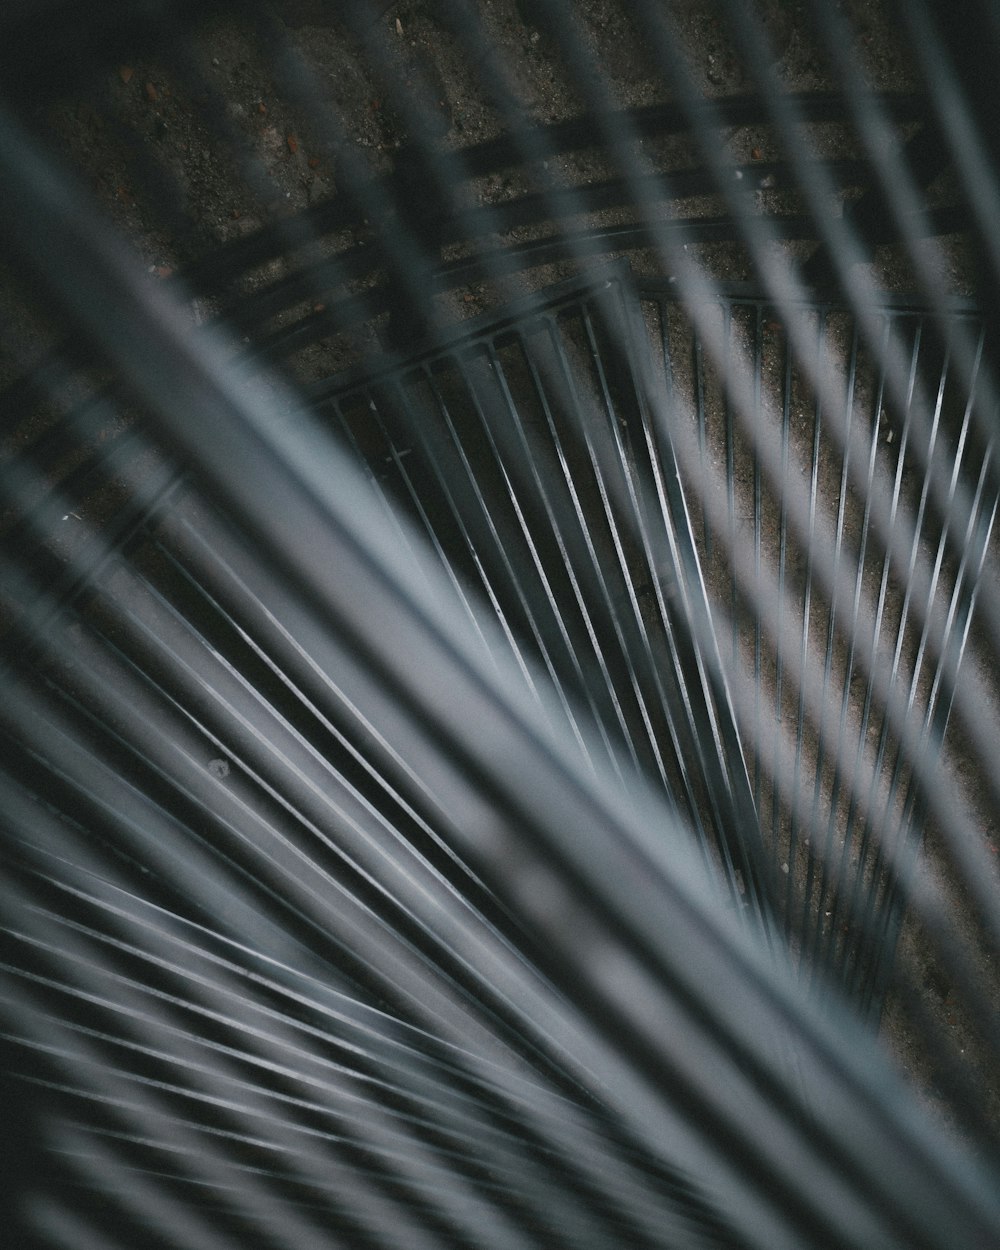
x: 526, y: 453
x: 825, y: 662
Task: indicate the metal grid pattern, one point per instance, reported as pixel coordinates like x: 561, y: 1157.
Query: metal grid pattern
x: 526, y: 453
x: 816, y: 661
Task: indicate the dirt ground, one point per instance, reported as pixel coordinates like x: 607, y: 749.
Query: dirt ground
x: 186, y: 162
x: 200, y: 147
